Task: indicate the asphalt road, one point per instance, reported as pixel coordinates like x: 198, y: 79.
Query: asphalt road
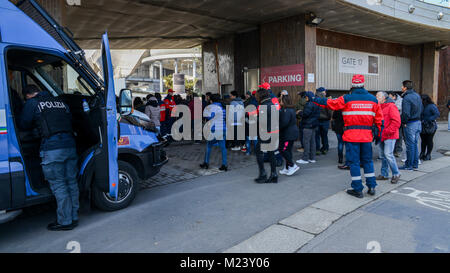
x: 204, y: 214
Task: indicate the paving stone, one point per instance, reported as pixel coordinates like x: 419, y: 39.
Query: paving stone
x: 411, y: 175
x: 275, y: 239
x: 184, y: 161
x: 341, y: 203
x: 431, y: 166
x: 311, y: 220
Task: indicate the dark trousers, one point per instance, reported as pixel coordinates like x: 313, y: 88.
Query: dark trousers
x: 309, y: 140
x: 236, y: 142
x: 165, y: 127
x: 61, y: 171
x: 341, y: 146
x: 322, y: 133
x: 286, y: 152
x: 399, y: 144
x: 301, y: 135
x: 260, y: 160
x: 427, y: 144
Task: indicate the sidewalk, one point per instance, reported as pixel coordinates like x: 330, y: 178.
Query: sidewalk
x: 292, y: 233
x: 185, y: 158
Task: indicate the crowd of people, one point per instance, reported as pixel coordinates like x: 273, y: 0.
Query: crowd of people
x: 358, y: 118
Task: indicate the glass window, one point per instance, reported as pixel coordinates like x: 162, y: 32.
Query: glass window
x: 64, y: 79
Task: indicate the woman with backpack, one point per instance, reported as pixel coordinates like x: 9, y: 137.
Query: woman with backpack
x: 429, y: 126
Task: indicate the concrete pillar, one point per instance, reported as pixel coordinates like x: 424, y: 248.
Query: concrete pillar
x: 176, y: 66
x: 283, y: 43
x: 161, y: 87
x: 151, y: 72
x: 430, y: 71
x: 194, y: 73
x: 425, y: 69
x: 444, y: 82
x: 416, y: 67
x: 310, y: 57
x: 194, y: 69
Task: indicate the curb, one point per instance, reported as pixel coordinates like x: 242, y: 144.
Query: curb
x: 292, y: 233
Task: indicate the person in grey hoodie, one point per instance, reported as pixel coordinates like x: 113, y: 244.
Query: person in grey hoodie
x: 153, y: 111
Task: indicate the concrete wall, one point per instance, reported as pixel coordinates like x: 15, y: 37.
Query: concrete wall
x: 225, y: 54
x: 444, y: 82
x: 246, y: 54
x: 283, y: 43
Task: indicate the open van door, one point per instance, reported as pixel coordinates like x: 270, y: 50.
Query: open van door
x: 106, y: 165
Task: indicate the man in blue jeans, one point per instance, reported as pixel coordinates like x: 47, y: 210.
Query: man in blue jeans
x: 412, y: 109
x: 218, y: 131
x: 51, y: 116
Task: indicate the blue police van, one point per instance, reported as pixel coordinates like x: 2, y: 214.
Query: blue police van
x: 115, y: 151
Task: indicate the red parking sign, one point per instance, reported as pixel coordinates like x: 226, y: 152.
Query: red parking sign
x: 287, y: 75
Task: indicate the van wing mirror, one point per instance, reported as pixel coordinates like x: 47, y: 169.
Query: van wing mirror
x: 126, y: 102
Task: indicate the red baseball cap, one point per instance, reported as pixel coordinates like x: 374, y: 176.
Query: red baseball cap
x: 170, y: 91
x: 358, y: 80
x: 265, y: 86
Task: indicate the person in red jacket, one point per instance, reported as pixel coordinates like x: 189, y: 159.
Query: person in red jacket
x: 363, y: 121
x: 169, y: 103
x: 389, y: 136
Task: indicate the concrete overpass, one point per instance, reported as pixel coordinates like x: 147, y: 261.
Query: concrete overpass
x: 154, y: 24
x: 242, y: 39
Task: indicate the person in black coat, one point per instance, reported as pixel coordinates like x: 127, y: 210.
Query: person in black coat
x: 310, y: 121
x: 264, y: 116
x: 337, y: 125
x: 289, y: 132
x: 429, y: 127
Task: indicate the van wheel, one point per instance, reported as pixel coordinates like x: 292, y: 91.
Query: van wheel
x: 128, y: 188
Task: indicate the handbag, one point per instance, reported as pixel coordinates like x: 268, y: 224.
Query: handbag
x: 429, y: 127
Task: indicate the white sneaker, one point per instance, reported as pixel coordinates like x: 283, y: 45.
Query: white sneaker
x: 404, y: 160
x: 312, y: 161
x: 420, y: 162
x: 301, y: 161
x: 236, y: 148
x: 292, y: 170
x: 284, y: 171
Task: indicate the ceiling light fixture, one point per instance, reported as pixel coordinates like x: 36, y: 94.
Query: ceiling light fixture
x: 411, y: 8
x: 313, y: 20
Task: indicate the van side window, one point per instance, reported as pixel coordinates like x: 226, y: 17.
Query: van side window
x: 15, y: 82
x: 64, y: 79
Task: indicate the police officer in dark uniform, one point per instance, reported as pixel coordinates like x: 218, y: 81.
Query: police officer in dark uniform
x: 51, y: 116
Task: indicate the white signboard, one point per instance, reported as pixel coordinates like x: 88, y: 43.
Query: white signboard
x: 356, y: 62
x: 179, y: 83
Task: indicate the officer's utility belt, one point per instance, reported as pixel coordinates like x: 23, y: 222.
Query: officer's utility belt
x: 358, y: 127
